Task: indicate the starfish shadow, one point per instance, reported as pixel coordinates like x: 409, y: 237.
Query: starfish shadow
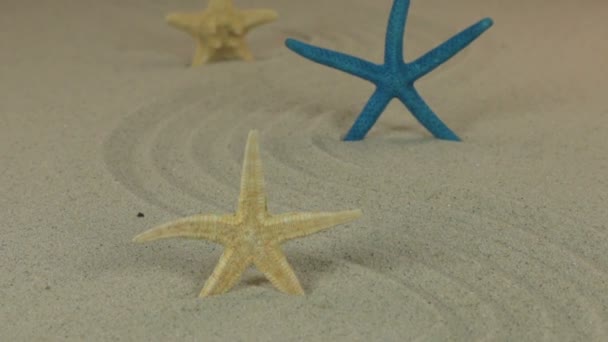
x: 385, y: 130
x: 309, y: 270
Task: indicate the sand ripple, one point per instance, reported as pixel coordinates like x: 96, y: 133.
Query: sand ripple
x: 430, y: 260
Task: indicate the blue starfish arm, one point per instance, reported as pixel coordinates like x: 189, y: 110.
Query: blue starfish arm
x: 337, y: 60
x: 374, y: 107
x: 425, y: 115
x: 393, y: 48
x: 434, y: 58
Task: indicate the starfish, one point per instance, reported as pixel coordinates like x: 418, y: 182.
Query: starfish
x: 252, y: 235
x: 395, y: 78
x: 220, y: 30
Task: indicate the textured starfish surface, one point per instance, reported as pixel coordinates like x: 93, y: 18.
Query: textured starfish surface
x: 395, y: 78
x: 252, y: 235
x: 220, y: 30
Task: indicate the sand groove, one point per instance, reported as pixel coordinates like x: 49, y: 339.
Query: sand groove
x: 189, y: 156
x: 448, y: 248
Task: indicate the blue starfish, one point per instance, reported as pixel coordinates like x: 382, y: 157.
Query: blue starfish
x: 394, y: 78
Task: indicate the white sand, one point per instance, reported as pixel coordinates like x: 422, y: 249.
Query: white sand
x: 500, y: 237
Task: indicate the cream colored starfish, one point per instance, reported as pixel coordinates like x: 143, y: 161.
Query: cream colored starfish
x: 220, y: 30
x: 252, y: 235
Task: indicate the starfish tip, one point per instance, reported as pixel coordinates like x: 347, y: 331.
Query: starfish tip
x: 453, y: 137
x: 292, y: 44
x: 171, y: 18
x: 348, y: 137
x: 486, y: 22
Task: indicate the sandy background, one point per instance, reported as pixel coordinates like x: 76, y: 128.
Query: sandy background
x: 501, y: 237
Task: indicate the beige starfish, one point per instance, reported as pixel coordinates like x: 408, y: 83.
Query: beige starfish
x: 220, y: 30
x: 252, y: 235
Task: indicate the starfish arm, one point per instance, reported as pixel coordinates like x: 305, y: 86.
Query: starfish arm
x: 393, y: 49
x: 252, y: 197
x: 257, y: 17
x: 439, y: 55
x: 228, y: 271
x: 425, y: 115
x: 337, y: 60
x: 369, y: 115
x: 186, y: 22
x: 214, y: 228
x: 273, y: 263
x: 294, y: 225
